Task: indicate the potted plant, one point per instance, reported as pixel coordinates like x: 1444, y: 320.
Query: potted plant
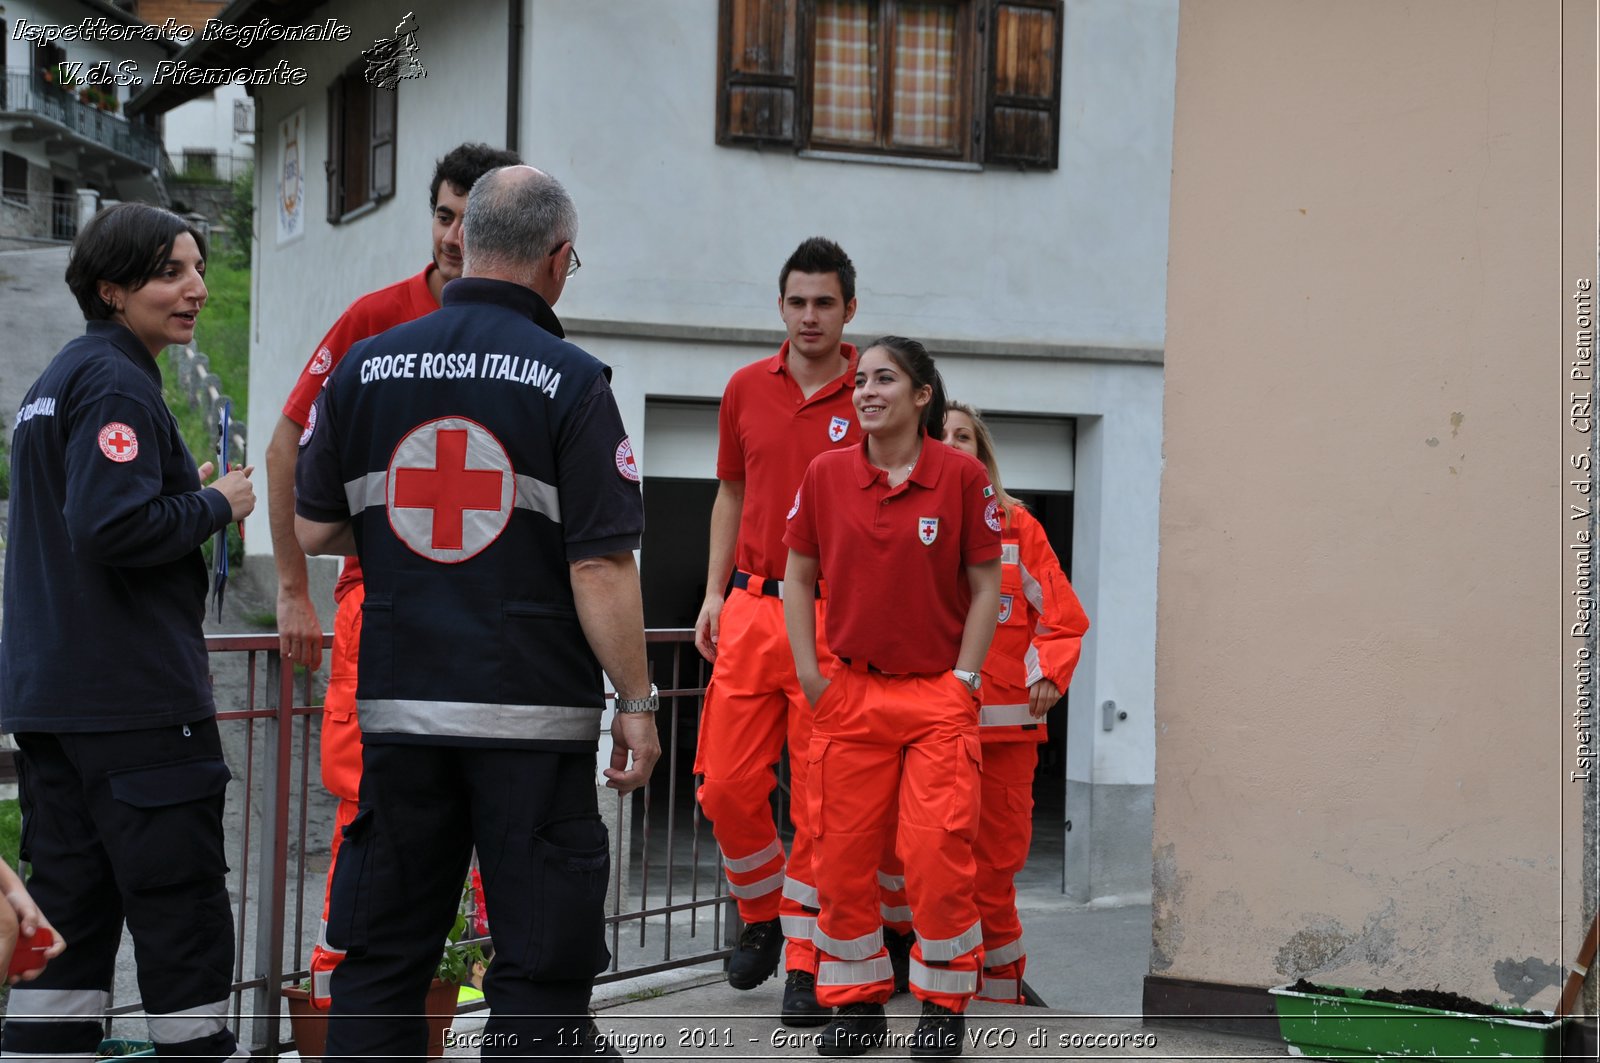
x: 309, y: 1025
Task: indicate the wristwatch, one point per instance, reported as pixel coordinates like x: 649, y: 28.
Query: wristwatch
x: 972, y: 679
x: 645, y: 704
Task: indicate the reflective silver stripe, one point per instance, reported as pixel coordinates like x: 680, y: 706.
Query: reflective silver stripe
x: 532, y: 494
x: 867, y: 972
x: 1031, y: 589
x: 1031, y: 660
x: 471, y: 719
x: 1004, y: 715
x: 891, y: 882
x: 861, y: 948
x: 538, y: 496
x: 324, y: 944
x: 796, y: 890
x: 1005, y: 954
x: 752, y: 890
x: 176, y: 1027
x: 365, y: 491
x: 946, y: 949
x: 799, y: 927
x: 942, y: 979
x: 1010, y: 553
x: 321, y: 985
x: 892, y: 914
x: 51, y: 1004
x: 754, y: 860
x: 1001, y: 990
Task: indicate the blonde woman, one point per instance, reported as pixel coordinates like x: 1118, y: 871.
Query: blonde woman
x: 1029, y: 665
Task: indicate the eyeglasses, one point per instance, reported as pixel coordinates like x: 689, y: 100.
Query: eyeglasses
x: 573, y: 265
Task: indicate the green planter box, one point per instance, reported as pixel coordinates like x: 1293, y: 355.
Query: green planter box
x: 1354, y: 1030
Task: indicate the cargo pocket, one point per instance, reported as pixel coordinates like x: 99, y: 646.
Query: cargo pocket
x: 168, y: 822
x: 814, y: 760
x: 532, y: 635
x: 961, y: 815
x: 571, y: 862
x: 348, y: 897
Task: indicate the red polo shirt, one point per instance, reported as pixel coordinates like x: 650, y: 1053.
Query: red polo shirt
x: 369, y: 315
x: 768, y: 432
x: 895, y: 557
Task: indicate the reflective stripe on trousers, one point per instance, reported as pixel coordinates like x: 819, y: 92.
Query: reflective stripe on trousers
x: 948, y: 949
x: 770, y: 884
x: 754, y: 860
x: 1008, y: 953
x: 943, y: 979
x: 861, y: 948
x: 861, y: 972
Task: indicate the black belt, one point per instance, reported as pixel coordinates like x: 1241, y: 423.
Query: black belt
x: 772, y: 588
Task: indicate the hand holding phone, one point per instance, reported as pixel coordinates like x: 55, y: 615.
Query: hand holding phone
x: 29, y: 955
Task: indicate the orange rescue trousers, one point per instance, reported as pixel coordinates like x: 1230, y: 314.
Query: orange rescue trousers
x: 341, y: 764
x: 753, y: 704
x: 883, y: 745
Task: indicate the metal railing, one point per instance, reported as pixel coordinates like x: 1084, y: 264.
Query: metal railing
x: 24, y: 92
x: 208, y: 166
x: 667, y: 884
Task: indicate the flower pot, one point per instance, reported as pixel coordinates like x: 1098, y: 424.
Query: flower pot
x: 440, y: 1013
x: 309, y: 1025
x: 1342, y: 1025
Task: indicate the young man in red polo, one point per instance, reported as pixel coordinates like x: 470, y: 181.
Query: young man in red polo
x: 299, y: 631
x: 777, y: 414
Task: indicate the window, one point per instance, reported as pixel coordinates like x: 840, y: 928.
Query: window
x: 13, y: 177
x: 361, y: 142
x: 199, y: 162
x: 964, y: 80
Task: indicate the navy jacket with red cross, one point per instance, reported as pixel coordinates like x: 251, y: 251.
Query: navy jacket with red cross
x: 105, y: 583
x: 477, y: 454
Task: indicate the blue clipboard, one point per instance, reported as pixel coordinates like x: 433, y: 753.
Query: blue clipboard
x: 219, y: 550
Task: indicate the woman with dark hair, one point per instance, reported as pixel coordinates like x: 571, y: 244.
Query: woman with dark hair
x: 121, y: 772
x: 906, y: 532
x: 1029, y: 665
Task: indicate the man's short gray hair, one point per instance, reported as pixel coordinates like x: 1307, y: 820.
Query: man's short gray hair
x: 515, y: 216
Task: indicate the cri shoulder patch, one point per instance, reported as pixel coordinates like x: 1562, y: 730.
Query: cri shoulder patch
x: 118, y: 442
x: 794, y: 508
x: 322, y: 361
x: 991, y: 514
x: 311, y: 425
x: 626, y: 466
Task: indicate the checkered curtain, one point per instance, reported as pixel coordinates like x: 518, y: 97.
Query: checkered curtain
x: 844, y: 86
x: 925, y: 76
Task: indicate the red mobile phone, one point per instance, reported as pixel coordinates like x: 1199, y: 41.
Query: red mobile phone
x: 29, y: 955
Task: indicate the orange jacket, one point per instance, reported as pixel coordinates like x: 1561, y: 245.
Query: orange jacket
x: 1040, y: 632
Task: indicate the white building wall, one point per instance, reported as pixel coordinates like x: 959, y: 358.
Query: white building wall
x: 207, y: 124
x: 1026, y: 279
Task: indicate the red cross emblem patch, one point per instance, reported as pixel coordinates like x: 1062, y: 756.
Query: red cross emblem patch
x: 1005, y: 608
x: 837, y: 428
x: 450, y: 489
x: 927, y: 530
x: 322, y: 361
x: 118, y: 442
x: 627, y: 467
x: 311, y: 426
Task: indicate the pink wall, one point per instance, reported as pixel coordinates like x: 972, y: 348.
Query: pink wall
x: 1362, y: 750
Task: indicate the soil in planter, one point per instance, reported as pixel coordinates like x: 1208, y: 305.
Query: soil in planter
x: 1425, y: 998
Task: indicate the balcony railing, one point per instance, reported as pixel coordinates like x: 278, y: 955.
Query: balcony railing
x: 23, y: 92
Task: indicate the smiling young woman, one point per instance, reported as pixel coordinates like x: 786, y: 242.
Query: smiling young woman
x: 122, y: 771
x: 906, y: 532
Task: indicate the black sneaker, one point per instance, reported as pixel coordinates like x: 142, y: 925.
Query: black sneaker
x: 800, y: 1007
x: 899, y: 946
x: 938, y: 1034
x: 756, y: 956
x: 856, y: 1029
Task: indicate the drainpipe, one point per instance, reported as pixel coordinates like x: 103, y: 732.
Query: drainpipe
x: 514, y: 28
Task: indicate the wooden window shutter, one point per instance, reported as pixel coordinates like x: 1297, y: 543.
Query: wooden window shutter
x: 333, y: 166
x: 757, y: 71
x: 1023, y: 106
x: 380, y: 161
